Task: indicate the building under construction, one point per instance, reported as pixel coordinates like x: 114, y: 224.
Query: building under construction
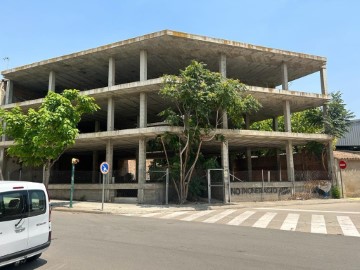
x: 125, y: 78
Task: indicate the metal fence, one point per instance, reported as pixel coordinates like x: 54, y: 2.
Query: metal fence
x: 276, y: 176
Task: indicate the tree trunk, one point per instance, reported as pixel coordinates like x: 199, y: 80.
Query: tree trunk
x: 46, y: 174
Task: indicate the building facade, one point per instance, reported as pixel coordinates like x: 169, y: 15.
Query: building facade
x: 125, y: 77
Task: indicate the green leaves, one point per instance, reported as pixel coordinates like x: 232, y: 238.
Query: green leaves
x: 199, y: 98
x: 43, y: 135
x: 337, y: 120
x: 201, y: 95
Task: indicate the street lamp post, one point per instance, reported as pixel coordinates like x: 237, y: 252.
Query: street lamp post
x: 74, y: 161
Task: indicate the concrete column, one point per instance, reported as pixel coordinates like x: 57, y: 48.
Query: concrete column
x: 247, y: 121
x: 2, y: 163
x: 110, y: 114
x: 51, y: 81
x: 278, y: 159
x: 225, y: 145
x: 290, y: 162
x: 143, y: 110
x: 287, y: 116
x: 143, y: 65
x: 323, y: 78
x: 248, y: 150
x: 275, y: 124
x: 111, y: 73
x: 97, y: 126
x: 284, y: 76
x: 141, y: 169
x: 109, y: 159
x: 331, y: 164
x: 143, y: 96
x: 226, y: 170
x: 9, y: 92
x: 222, y: 65
x: 249, y: 163
x: 95, y: 167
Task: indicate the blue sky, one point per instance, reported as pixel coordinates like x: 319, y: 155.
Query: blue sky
x: 36, y: 30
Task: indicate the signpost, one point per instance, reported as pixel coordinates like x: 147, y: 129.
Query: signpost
x: 342, y: 166
x: 74, y: 161
x: 104, y: 169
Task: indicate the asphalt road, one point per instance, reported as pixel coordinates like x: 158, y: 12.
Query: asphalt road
x: 95, y: 241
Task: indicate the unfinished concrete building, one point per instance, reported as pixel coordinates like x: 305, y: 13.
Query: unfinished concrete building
x: 125, y: 77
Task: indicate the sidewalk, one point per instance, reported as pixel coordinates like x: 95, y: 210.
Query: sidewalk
x: 128, y: 209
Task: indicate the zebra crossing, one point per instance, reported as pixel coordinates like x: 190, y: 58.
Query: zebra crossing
x: 294, y: 220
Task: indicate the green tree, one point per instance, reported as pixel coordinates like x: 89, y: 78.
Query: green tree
x: 41, y: 136
x: 200, y: 97
x: 335, y: 122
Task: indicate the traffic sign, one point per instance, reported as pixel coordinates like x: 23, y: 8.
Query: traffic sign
x: 104, y: 167
x: 342, y: 164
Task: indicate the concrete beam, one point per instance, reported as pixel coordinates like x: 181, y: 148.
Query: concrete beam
x: 52, y: 78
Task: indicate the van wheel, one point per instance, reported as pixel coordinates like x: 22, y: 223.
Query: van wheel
x: 33, y: 258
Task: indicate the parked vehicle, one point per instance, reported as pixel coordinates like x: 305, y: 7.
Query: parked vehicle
x: 25, y: 225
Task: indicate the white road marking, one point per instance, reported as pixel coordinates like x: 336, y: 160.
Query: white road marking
x: 150, y: 215
x: 290, y: 222
x: 174, y: 214
x: 241, y: 218
x: 304, y: 210
x: 219, y: 216
x: 197, y: 215
x: 318, y: 224
x: 347, y: 226
x: 264, y: 221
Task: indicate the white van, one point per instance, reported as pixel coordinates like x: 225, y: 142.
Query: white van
x: 25, y: 226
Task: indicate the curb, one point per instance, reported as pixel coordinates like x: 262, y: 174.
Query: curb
x: 72, y: 210
x: 198, y: 207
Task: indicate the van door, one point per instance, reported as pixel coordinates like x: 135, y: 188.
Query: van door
x: 13, y: 222
x: 38, y: 218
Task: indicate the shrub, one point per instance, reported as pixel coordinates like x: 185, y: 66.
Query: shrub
x: 335, y: 192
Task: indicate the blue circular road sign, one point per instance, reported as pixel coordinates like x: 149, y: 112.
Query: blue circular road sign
x: 104, y: 167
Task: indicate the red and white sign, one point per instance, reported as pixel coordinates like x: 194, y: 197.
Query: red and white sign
x: 342, y: 164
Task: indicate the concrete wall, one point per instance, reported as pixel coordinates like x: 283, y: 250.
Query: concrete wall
x: 271, y: 191
x: 350, y: 178
x: 154, y: 193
